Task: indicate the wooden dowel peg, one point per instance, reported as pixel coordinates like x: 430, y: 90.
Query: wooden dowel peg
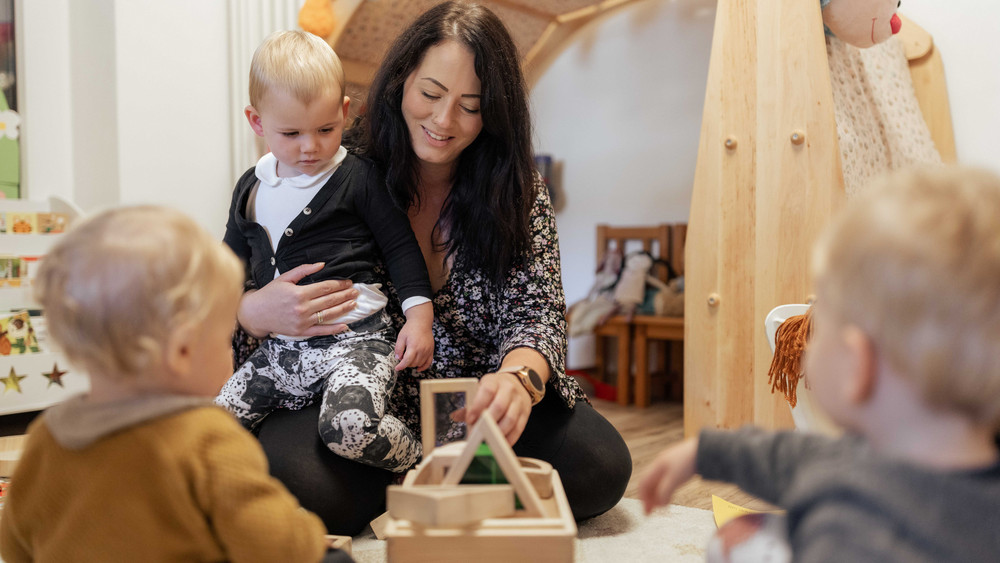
x: 798, y: 137
x: 713, y: 300
x: 731, y: 143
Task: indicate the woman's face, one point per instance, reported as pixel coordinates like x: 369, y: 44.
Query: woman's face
x: 441, y: 105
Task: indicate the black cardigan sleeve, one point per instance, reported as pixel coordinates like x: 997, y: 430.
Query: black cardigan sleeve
x: 391, y: 229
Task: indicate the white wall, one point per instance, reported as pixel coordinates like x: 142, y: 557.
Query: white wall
x: 621, y: 108
x: 126, y: 101
x: 93, y: 104
x: 173, y: 106
x: 46, y: 144
x: 965, y: 31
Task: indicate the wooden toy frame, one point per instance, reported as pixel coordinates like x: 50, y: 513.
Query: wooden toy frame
x: 431, y: 517
x: 428, y: 431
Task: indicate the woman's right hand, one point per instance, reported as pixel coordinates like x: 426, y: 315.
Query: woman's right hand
x: 283, y: 307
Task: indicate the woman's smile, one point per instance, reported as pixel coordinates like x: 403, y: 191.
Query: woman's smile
x: 441, y: 104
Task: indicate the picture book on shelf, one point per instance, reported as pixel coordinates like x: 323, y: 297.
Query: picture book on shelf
x: 11, y: 270
x: 52, y: 222
x: 29, y: 222
x: 16, y: 334
x: 22, y: 223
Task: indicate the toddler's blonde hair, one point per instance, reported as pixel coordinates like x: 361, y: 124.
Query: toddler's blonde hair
x: 915, y: 263
x: 119, y: 282
x: 296, y: 62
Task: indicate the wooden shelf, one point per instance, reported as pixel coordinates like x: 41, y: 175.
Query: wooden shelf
x: 35, y: 391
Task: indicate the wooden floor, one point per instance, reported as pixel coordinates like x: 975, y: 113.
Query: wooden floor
x: 647, y: 432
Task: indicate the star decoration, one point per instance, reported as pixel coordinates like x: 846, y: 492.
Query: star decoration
x: 55, y: 376
x: 12, y: 382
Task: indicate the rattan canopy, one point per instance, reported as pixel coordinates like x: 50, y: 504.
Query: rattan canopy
x: 539, y: 28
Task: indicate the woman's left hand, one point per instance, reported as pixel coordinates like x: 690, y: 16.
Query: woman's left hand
x: 506, y: 399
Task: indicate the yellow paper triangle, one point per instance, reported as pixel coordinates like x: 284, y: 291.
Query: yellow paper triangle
x: 724, y: 511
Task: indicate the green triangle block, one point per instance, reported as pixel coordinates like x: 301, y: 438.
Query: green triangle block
x: 484, y: 470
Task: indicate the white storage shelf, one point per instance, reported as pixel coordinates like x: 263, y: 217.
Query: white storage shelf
x: 35, y: 391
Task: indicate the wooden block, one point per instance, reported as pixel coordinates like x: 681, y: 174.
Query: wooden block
x: 486, y: 430
x: 343, y: 543
x: 10, y: 453
x: 481, y: 549
x: 8, y: 461
x: 539, y: 473
x: 444, y: 506
x: 431, y: 387
x: 379, y: 524
x: 498, y: 540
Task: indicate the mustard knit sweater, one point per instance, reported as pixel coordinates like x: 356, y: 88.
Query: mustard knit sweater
x: 190, y: 485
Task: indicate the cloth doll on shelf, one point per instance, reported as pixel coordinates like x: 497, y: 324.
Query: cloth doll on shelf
x: 599, y: 304
x: 631, y: 288
x: 640, y: 292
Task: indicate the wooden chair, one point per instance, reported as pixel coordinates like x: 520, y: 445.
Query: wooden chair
x: 668, y: 330
x: 656, y: 241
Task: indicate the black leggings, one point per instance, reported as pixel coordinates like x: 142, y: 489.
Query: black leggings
x: 591, y: 457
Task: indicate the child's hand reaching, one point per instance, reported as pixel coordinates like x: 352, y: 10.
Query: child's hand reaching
x: 671, y: 469
x: 415, y: 343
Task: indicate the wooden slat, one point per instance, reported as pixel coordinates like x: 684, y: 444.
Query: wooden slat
x: 678, y: 239
x: 591, y: 11
x: 602, y: 244
x: 624, y: 361
x: 927, y: 73
x: 486, y: 430
x: 758, y: 203
x: 438, y: 505
x: 635, y: 232
x: 662, y: 327
x: 716, y: 254
x: 799, y: 184
x: 428, y: 389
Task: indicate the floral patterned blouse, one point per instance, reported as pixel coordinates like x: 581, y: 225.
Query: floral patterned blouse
x: 476, y: 322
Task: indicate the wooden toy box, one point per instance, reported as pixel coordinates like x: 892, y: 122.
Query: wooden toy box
x: 431, y: 517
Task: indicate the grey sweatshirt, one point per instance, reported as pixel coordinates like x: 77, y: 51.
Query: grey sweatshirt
x: 845, y: 502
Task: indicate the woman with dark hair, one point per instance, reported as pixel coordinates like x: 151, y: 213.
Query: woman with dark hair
x: 447, y: 121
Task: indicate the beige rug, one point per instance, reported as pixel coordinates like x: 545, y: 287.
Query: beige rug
x: 674, y: 533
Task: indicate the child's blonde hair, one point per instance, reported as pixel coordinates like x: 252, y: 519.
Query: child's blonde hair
x: 296, y: 62
x: 120, y: 281
x: 915, y: 263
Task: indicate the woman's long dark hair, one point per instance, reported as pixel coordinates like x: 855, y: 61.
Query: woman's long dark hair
x: 487, y: 212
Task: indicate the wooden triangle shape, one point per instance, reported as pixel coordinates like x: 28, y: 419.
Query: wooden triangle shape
x: 486, y: 430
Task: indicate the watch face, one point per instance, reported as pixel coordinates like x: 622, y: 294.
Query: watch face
x: 536, y: 380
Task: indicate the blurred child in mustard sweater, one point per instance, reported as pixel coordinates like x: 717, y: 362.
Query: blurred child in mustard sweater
x: 144, y: 467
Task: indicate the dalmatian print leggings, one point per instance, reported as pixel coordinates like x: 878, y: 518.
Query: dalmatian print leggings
x: 351, y: 373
